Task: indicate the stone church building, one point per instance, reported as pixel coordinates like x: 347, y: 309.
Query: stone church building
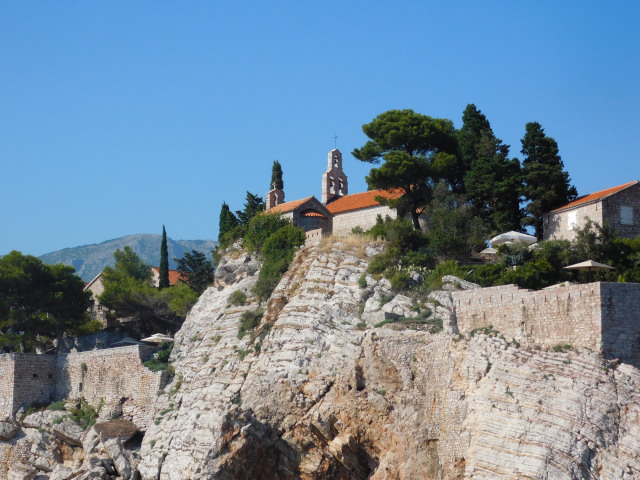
x: 338, y: 212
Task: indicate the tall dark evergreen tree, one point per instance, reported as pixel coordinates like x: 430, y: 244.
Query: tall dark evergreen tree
x: 164, y: 261
x: 546, y: 185
x: 228, y: 221
x: 473, y: 124
x: 252, y: 206
x: 493, y: 182
x: 196, y: 270
x: 276, y: 176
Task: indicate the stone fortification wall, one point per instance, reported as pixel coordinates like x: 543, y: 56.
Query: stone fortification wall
x: 602, y: 316
x: 25, y: 379
x: 6, y: 384
x: 116, y: 375
x: 365, y: 218
x: 566, y: 315
x: 100, y: 340
x: 621, y: 321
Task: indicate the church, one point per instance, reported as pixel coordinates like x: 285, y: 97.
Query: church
x: 338, y: 212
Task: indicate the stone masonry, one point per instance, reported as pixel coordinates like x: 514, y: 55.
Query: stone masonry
x: 602, y: 316
x: 110, y: 376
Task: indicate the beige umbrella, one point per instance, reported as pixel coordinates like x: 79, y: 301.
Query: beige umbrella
x: 512, y: 237
x: 589, y: 266
x: 157, y: 338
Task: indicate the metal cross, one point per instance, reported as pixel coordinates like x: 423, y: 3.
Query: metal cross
x: 335, y: 141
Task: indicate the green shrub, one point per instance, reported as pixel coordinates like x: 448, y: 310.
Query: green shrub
x: 83, y: 414
x: 58, y: 406
x: 362, y: 281
x: 400, y: 280
x: 260, y: 228
x: 249, y: 320
x: 160, y: 361
x: 237, y: 298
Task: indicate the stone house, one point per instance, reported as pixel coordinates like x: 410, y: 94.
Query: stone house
x: 618, y: 207
x: 98, y: 312
x: 338, y: 212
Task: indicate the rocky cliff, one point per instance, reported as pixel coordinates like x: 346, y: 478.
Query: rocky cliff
x: 317, y: 392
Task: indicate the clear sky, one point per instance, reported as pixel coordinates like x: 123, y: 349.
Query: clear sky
x: 119, y: 117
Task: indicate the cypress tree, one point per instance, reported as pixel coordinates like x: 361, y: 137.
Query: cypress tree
x: 227, y: 221
x: 164, y: 261
x: 276, y: 176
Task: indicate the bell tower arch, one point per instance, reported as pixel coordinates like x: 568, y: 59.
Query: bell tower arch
x: 334, y: 180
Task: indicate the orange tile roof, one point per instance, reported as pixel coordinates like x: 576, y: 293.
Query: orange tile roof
x: 174, y: 275
x: 592, y: 197
x: 361, y: 200
x: 288, y: 206
x: 312, y: 213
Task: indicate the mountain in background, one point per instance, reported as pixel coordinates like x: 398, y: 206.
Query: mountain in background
x: 90, y: 260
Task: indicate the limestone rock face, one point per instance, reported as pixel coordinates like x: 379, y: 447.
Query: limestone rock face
x: 316, y: 392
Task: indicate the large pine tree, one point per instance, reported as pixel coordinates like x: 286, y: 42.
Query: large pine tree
x: 547, y: 185
x: 252, y: 206
x: 164, y: 261
x: 493, y: 182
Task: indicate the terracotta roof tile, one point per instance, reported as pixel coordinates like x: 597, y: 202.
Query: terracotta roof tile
x: 288, y: 206
x: 360, y: 200
x: 312, y: 213
x: 174, y: 275
x: 592, y: 197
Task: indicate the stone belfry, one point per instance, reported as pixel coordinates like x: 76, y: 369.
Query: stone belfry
x: 334, y: 180
x: 275, y: 196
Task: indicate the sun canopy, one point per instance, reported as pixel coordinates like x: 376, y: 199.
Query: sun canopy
x: 590, y: 266
x: 157, y: 338
x: 513, y: 237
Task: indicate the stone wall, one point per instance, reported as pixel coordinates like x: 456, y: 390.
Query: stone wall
x: 621, y: 321
x: 365, y: 218
x: 25, y: 379
x: 567, y: 315
x: 629, y: 197
x: 6, y: 384
x: 116, y: 375
x: 602, y: 316
x: 556, y: 225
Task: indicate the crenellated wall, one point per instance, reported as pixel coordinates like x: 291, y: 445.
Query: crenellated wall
x: 602, y: 316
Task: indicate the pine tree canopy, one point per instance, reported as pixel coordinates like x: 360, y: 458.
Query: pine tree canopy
x: 547, y: 185
x: 252, y: 206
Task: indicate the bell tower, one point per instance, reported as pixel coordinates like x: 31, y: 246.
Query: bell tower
x: 334, y: 180
x: 275, y: 196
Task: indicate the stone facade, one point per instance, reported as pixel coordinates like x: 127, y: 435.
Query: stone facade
x: 365, y: 218
x: 334, y: 180
x: 112, y: 376
x: 618, y: 208
x: 602, y: 316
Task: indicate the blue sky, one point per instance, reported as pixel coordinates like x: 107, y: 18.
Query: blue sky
x: 119, y: 117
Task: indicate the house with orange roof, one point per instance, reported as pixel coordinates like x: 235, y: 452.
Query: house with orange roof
x: 618, y: 207
x: 98, y: 312
x: 338, y: 212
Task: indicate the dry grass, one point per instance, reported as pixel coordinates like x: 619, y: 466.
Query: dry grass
x: 353, y: 243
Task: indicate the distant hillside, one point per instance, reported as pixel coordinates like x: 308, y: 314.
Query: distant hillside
x: 89, y: 260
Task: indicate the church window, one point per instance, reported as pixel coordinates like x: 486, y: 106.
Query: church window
x: 626, y: 215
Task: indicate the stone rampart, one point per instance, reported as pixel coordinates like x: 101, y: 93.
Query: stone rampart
x: 114, y: 375
x: 110, y: 376
x: 25, y: 379
x: 602, y: 316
